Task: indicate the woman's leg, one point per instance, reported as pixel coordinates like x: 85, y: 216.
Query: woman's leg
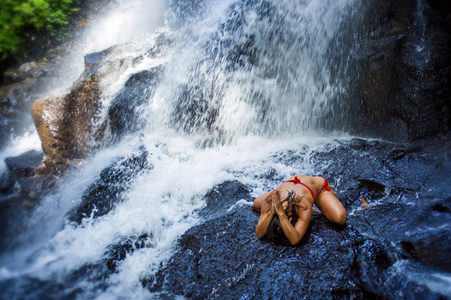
x: 331, y: 207
x: 258, y: 202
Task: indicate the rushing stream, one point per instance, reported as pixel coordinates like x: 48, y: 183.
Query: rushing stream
x: 246, y: 92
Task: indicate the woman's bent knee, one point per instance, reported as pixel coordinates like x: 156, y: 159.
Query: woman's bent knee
x: 341, y: 217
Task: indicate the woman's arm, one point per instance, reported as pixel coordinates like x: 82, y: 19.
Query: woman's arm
x: 266, y: 214
x: 260, y: 200
x: 294, y: 234
x: 263, y: 224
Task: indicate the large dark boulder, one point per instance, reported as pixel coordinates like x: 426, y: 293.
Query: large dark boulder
x: 18, y: 167
x: 400, y: 87
x: 26, y: 175
x: 25, y: 164
x: 222, y: 197
x: 72, y: 125
x: 416, y: 232
x: 223, y: 259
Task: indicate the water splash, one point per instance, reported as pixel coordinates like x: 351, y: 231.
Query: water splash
x: 30, y: 141
x: 125, y: 21
x: 253, y: 67
x: 253, y: 77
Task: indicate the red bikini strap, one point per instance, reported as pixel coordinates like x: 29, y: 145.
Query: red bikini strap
x: 325, y: 186
x: 296, y: 180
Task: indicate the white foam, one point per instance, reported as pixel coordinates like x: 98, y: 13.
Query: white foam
x: 163, y: 202
x: 127, y: 21
x: 29, y: 141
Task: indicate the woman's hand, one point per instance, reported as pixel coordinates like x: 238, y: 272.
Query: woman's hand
x: 277, y: 204
x: 267, y: 213
x: 269, y: 200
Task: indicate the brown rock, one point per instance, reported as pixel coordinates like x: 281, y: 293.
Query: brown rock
x: 48, y: 122
x: 69, y: 126
x: 65, y: 124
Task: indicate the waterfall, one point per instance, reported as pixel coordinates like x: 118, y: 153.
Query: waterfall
x: 125, y: 21
x: 245, y: 75
x: 242, y: 79
x: 253, y: 68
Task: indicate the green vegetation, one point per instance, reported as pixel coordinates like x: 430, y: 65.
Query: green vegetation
x: 28, y: 23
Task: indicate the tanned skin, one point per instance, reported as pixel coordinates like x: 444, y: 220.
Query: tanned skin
x: 270, y: 203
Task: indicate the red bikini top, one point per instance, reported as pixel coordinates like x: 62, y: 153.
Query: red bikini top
x: 296, y: 180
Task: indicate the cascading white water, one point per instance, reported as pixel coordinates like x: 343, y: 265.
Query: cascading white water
x: 127, y: 21
x: 263, y: 68
x: 250, y: 73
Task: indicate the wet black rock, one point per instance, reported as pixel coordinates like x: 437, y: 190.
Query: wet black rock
x: 223, y: 259
x: 223, y: 196
x: 26, y: 176
x: 401, y: 73
x: 102, y: 195
x: 116, y: 253
x: 123, y: 112
x: 21, y: 186
x: 13, y: 213
x: 417, y: 233
x: 24, y: 165
x: 35, y: 288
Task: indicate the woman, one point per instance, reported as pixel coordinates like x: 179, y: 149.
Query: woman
x: 290, y: 207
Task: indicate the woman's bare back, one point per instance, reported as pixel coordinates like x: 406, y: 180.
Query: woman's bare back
x: 326, y: 201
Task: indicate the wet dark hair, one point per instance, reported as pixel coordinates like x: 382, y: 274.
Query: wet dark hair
x: 275, y: 231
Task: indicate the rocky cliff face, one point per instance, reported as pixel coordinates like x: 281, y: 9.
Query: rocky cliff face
x: 397, y: 73
x: 399, y: 79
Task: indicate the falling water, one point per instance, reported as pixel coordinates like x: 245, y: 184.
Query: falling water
x: 125, y: 21
x: 254, y: 67
x: 242, y: 80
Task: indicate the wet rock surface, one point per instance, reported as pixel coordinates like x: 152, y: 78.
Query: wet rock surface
x: 22, y: 186
x: 24, y: 165
x: 103, y: 194
x: 116, y: 253
x: 401, y: 72
x: 123, y: 111
x: 401, y: 92
x: 72, y: 125
x: 24, y: 84
x: 419, y: 235
x: 380, y: 253
x: 403, y: 223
